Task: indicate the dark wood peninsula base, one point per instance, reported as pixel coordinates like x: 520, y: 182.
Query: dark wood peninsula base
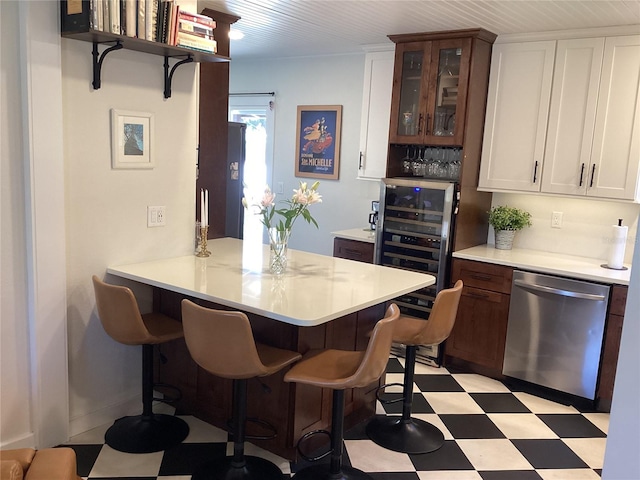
x: 291, y: 408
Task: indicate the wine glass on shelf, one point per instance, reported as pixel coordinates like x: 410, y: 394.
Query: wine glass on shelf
x: 406, y: 163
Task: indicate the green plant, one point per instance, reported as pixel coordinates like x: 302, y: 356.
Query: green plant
x: 503, y: 217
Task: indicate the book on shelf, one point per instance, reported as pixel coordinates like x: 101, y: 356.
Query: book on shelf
x: 131, y: 17
x: 114, y: 16
x: 198, y: 18
x: 194, y: 28
x: 142, y: 19
x: 198, y: 43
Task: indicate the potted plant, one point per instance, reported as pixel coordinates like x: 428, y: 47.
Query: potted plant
x: 506, y: 221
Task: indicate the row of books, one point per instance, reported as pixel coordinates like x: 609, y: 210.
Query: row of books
x: 154, y: 20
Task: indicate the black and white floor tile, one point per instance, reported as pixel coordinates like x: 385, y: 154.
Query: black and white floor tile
x: 491, y: 433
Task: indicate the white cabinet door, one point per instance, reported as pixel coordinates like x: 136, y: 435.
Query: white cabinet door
x: 516, y: 119
x: 572, y: 116
x: 615, y: 154
x: 376, y: 110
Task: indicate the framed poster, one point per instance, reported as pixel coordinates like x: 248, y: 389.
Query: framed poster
x: 318, y: 141
x: 131, y: 139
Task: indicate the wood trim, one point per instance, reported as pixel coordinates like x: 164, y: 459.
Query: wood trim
x: 479, y: 33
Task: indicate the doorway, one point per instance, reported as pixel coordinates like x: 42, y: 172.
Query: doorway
x: 257, y: 113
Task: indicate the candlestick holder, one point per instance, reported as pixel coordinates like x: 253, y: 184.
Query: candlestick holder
x: 203, y: 252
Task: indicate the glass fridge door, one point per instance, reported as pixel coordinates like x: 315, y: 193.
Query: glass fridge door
x: 413, y: 234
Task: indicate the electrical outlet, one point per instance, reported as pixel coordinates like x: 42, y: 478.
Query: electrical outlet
x: 156, y: 216
x: 556, y: 220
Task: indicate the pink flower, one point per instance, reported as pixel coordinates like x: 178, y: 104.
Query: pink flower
x: 268, y: 199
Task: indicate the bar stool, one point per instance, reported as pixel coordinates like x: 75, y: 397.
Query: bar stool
x: 404, y: 433
x: 121, y: 319
x: 222, y: 343
x: 339, y: 370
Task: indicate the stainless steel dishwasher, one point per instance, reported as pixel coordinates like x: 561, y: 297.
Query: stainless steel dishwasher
x: 555, y: 331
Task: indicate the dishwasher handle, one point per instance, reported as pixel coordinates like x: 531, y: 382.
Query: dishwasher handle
x: 558, y: 291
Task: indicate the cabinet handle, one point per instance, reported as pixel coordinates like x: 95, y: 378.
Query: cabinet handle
x: 593, y: 174
x: 355, y: 253
x: 360, y: 162
x: 581, y: 174
x: 477, y: 295
x: 420, y: 118
x: 479, y: 276
x: 535, y: 172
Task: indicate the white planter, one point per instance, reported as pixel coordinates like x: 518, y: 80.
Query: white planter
x: 504, y: 239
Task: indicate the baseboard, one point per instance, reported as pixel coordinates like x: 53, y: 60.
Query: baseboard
x: 26, y: 441
x: 108, y: 414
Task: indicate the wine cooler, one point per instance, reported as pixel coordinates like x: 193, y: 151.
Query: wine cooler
x: 414, y: 232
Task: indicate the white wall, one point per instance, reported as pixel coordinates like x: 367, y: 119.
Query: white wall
x: 106, y: 210
x: 15, y: 421
x: 586, y: 224
x: 330, y: 80
x: 621, y: 460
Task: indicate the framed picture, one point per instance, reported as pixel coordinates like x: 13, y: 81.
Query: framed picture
x: 131, y: 139
x: 318, y: 141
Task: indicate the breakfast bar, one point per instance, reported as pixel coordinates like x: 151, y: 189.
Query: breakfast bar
x: 319, y: 302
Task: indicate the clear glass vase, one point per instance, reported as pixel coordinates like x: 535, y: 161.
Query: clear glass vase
x: 278, y: 240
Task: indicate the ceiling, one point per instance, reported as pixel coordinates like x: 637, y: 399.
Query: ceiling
x: 285, y: 28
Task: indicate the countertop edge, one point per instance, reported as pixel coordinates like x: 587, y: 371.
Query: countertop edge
x: 581, y: 268
x: 358, y: 234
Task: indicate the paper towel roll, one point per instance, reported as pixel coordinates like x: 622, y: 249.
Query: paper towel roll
x: 618, y: 244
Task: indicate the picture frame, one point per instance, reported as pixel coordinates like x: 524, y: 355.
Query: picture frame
x: 318, y: 130
x: 131, y: 140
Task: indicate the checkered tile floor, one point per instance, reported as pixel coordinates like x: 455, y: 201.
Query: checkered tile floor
x: 491, y: 433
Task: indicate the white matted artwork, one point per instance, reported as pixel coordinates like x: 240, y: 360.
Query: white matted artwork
x: 131, y: 139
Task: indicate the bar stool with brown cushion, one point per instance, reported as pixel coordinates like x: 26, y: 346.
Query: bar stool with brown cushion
x: 121, y: 319
x: 404, y: 433
x: 339, y: 370
x: 222, y: 343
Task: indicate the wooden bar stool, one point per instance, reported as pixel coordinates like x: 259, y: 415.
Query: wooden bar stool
x: 404, y: 433
x: 222, y: 343
x: 339, y: 370
x: 121, y: 319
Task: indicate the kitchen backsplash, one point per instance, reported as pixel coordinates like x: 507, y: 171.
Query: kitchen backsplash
x: 586, y: 224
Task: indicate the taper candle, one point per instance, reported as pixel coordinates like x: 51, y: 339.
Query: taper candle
x: 202, y: 214
x: 206, y: 206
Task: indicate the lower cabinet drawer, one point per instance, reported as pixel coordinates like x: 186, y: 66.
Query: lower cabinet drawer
x: 353, y: 250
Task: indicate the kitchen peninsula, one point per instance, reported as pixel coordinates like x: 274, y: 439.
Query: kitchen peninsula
x: 320, y: 302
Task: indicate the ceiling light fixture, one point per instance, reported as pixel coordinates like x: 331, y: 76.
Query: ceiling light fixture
x: 235, y: 34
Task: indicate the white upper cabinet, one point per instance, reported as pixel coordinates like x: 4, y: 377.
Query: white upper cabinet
x: 592, y: 138
x: 572, y: 128
x: 376, y: 108
x: 615, y: 155
x: 516, y: 118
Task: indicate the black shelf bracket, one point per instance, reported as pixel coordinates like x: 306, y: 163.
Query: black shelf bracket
x: 168, y: 74
x: 98, y: 59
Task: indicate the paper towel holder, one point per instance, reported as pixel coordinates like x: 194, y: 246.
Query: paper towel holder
x: 604, y: 265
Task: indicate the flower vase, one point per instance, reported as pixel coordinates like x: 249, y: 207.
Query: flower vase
x: 278, y: 240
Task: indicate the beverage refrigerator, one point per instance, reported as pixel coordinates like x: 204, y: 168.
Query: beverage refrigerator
x: 414, y: 232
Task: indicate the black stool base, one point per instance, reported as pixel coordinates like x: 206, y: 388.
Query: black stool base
x: 146, y: 434
x: 321, y: 472
x: 415, y: 436
x: 255, y: 468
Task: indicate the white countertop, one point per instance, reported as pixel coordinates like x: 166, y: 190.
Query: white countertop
x: 315, y: 288
x: 364, y: 234
x: 583, y: 268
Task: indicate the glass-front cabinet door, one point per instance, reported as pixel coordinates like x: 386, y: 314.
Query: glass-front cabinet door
x: 448, y: 83
x: 410, y: 92
x: 429, y: 96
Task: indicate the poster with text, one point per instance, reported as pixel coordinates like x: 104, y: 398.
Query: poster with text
x: 318, y: 141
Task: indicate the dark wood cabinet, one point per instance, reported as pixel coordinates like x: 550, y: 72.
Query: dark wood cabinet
x: 353, y: 250
x: 214, y: 128
x: 611, y: 346
x: 439, y: 98
x: 478, y: 338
